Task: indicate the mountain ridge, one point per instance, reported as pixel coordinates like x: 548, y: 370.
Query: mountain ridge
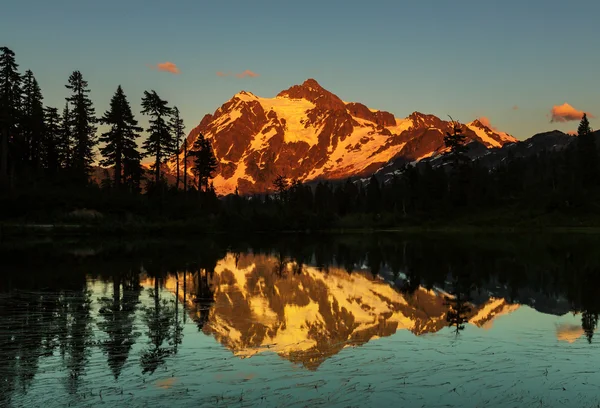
x: 308, y: 133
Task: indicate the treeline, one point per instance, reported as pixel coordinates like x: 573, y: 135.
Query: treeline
x: 47, y: 164
x: 42, y: 149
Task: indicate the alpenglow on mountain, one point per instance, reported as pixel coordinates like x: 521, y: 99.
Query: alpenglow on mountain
x: 308, y: 133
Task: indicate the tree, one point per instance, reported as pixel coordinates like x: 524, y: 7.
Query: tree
x: 281, y: 185
x: 178, y: 128
x: 374, y: 197
x: 205, y: 162
x: 51, y: 141
x: 65, y: 143
x: 159, y: 140
x: 120, y: 147
x: 10, y: 95
x: 588, y: 153
x: 32, y: 122
x: 83, y: 126
x: 185, y: 164
x: 456, y: 143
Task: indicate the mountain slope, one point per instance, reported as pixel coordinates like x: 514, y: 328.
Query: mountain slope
x: 308, y: 133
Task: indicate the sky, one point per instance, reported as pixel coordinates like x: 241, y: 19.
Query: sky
x: 514, y: 63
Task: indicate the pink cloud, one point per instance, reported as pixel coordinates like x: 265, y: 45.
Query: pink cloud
x: 166, y: 67
x: 486, y: 122
x: 247, y: 73
x: 566, y: 113
x: 223, y: 74
x: 515, y: 107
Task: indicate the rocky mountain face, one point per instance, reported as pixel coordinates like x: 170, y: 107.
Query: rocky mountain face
x: 308, y: 133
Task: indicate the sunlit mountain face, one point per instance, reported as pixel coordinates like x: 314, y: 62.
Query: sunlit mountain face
x: 308, y: 133
x: 263, y: 303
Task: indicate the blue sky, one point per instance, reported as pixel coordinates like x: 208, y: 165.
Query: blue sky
x: 509, y: 61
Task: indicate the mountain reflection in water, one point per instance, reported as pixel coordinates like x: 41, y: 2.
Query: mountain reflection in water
x: 128, y: 323
x: 252, y: 304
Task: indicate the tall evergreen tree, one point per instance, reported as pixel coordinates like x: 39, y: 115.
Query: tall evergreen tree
x: 32, y: 118
x: 185, y: 164
x: 159, y: 142
x: 51, y: 141
x: 205, y: 162
x: 83, y: 127
x: 10, y: 95
x: 374, y: 197
x: 178, y: 129
x: 65, y: 141
x: 455, y: 141
x: 587, y: 152
x: 120, y: 147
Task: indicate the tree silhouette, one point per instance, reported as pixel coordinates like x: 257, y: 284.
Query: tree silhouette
x: 65, y: 143
x: 51, y: 141
x: 178, y: 135
x: 281, y: 185
x: 455, y: 142
x: 205, y: 162
x: 587, y: 152
x: 120, y: 147
x: 32, y: 122
x: 185, y: 165
x: 374, y: 197
x: 83, y: 121
x: 10, y: 97
x: 160, y: 141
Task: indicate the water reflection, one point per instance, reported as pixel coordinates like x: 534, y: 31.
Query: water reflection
x: 69, y: 312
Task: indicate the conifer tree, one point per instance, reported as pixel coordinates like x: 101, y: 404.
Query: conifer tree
x: 374, y: 198
x: 120, y: 146
x: 205, y: 162
x: 10, y: 95
x: 455, y: 141
x: 50, y: 141
x: 65, y: 141
x: 178, y: 129
x: 281, y: 185
x: 32, y: 118
x: 185, y: 164
x: 159, y: 142
x: 587, y: 152
x: 83, y: 127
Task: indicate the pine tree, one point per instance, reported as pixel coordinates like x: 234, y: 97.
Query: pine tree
x: 281, y: 185
x: 374, y: 198
x: 587, y: 152
x: 83, y: 127
x: 120, y: 147
x: 178, y: 129
x: 205, y: 162
x: 50, y: 141
x: 455, y: 141
x: 185, y: 164
x: 159, y: 140
x: 32, y: 118
x: 10, y: 95
x: 65, y: 142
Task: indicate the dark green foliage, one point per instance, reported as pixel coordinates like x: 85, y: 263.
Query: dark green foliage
x: 32, y: 124
x: 10, y: 100
x: 120, y: 148
x: 159, y: 143
x: 178, y: 128
x: 82, y: 120
x: 205, y: 162
x: 587, y: 154
x: 51, y: 142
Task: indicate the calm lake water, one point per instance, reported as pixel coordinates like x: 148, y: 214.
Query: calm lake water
x: 366, y: 320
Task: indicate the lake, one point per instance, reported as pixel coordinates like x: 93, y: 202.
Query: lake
x: 300, y: 320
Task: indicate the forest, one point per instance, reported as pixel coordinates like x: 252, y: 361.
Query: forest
x: 55, y: 168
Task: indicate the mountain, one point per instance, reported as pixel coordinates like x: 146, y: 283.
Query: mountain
x: 308, y: 133
x: 263, y: 304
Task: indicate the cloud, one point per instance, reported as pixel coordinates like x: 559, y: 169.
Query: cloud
x: 247, y: 73
x: 166, y: 67
x: 486, y: 122
x: 566, y: 113
x: 515, y: 107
